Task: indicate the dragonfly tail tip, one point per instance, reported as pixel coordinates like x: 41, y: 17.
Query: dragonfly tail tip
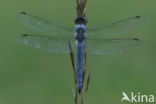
x: 79, y: 90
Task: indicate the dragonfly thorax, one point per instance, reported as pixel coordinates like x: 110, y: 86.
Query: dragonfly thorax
x: 80, y: 32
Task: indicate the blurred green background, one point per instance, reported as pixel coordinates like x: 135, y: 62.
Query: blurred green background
x: 31, y: 76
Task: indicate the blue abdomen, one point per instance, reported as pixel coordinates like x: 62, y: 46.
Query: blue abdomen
x: 79, y: 66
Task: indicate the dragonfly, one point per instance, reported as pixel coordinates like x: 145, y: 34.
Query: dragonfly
x: 79, y: 37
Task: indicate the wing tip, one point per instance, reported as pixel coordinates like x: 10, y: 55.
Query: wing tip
x: 141, y: 18
x: 21, y: 37
x: 137, y: 17
x: 25, y: 35
x: 23, y: 13
x: 135, y: 38
x: 140, y: 43
x: 20, y: 15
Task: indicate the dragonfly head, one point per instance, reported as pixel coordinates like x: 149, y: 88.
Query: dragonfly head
x: 80, y: 20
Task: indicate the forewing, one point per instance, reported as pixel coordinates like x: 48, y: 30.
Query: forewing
x: 112, y: 46
x: 43, y: 25
x: 117, y: 28
x: 47, y: 43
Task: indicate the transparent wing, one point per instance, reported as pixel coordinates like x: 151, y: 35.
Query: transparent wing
x: 47, y: 43
x: 117, y: 28
x: 43, y: 25
x: 112, y: 46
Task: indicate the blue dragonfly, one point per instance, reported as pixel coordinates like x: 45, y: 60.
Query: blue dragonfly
x: 94, y: 41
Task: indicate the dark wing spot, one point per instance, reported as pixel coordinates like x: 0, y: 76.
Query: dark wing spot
x: 25, y: 35
x: 135, y: 39
x: 24, y: 13
x: 137, y: 16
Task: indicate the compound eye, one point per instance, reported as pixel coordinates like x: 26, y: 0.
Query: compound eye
x: 86, y: 21
x: 75, y: 21
x: 80, y: 20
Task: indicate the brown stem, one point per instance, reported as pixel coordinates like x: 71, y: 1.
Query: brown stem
x: 73, y: 61
x: 88, y: 81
